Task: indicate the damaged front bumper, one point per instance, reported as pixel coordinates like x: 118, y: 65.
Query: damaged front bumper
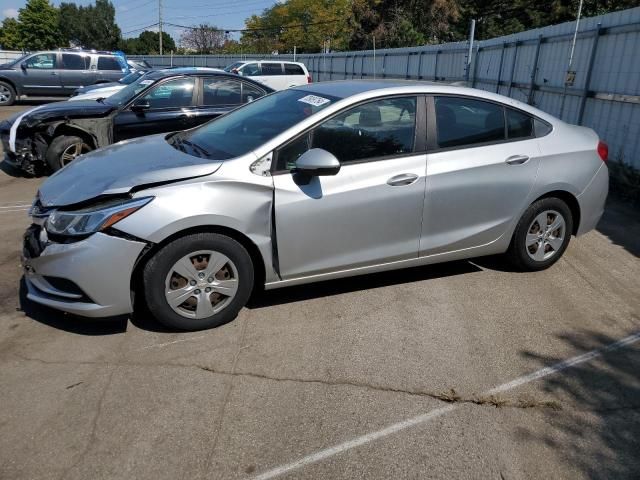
x: 28, y: 155
x: 90, y: 277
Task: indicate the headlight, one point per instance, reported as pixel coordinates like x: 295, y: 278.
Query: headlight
x: 90, y: 220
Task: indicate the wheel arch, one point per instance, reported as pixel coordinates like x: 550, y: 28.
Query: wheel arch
x: 13, y: 85
x: 254, y: 252
x: 72, y: 130
x: 570, y: 200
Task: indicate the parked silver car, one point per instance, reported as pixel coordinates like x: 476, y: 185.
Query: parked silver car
x: 312, y: 183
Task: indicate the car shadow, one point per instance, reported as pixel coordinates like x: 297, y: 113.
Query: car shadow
x: 12, y: 170
x: 621, y: 224
x: 299, y: 293
x: 597, y: 431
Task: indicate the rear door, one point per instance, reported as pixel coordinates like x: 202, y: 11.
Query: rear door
x: 109, y: 69
x: 76, y: 72
x: 272, y: 75
x: 371, y: 211
x: 294, y: 75
x: 481, y: 166
x: 171, y: 106
x: 41, y: 75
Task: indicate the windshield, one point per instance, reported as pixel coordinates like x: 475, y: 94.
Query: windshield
x: 132, y: 77
x: 228, y: 68
x: 16, y: 60
x: 125, y: 95
x: 248, y: 127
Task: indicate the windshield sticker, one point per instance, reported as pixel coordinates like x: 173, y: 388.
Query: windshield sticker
x: 146, y: 82
x: 314, y: 100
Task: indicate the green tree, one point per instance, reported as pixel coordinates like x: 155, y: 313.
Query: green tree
x: 147, y: 44
x: 9, y: 34
x: 91, y: 26
x: 38, y: 25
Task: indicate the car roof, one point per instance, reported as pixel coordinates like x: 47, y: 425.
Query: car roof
x: 371, y: 88
x: 169, y: 72
x: 272, y: 60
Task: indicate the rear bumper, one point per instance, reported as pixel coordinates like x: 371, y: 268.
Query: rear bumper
x: 592, y: 200
x: 91, y: 277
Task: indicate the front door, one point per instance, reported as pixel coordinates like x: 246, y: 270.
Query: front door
x: 41, y: 75
x: 370, y: 212
x: 170, y: 106
x: 479, y: 173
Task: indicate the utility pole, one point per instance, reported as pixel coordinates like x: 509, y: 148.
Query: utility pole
x: 160, y: 25
x: 472, y: 32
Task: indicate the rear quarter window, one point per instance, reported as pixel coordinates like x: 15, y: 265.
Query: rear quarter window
x: 108, y: 63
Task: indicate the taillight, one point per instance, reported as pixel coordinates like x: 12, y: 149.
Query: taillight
x: 309, y: 79
x: 603, y: 151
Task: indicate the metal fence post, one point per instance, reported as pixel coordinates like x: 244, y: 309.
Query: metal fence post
x: 475, y: 66
x: 384, y: 63
x: 330, y: 66
x: 406, y: 73
x: 504, y: 47
x: 362, y: 66
x: 353, y: 66
x: 534, y: 71
x: 435, y: 67
x: 513, y: 67
x: 345, y: 66
x: 420, y: 65
x: 587, y: 80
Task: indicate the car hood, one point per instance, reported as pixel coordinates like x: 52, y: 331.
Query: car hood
x: 120, y: 168
x: 79, y: 109
x: 97, y: 86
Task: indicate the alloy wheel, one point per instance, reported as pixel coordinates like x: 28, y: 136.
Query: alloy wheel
x: 201, y: 284
x: 5, y: 95
x: 545, y: 235
x: 72, y: 152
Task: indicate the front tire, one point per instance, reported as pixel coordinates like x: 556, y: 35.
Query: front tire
x: 7, y: 94
x: 542, y: 235
x: 65, y: 149
x: 198, y: 281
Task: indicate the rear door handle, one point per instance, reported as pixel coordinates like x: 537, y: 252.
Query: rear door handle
x: 402, y: 179
x: 517, y: 159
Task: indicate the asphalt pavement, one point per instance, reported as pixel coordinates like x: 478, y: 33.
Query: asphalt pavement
x: 460, y: 370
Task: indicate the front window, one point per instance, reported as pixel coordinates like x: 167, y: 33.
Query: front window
x: 42, y: 61
x: 129, y: 92
x: 132, y: 77
x: 370, y: 131
x: 174, y: 93
x: 233, y: 66
x: 250, y: 70
x: 250, y: 126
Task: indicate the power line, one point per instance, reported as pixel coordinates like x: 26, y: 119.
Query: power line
x: 218, y: 5
x: 126, y: 9
x: 281, y: 27
x: 140, y: 29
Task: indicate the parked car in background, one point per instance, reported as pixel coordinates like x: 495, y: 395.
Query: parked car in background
x: 277, y: 75
x: 311, y: 183
x: 52, y: 135
x: 103, y: 90
x: 58, y: 73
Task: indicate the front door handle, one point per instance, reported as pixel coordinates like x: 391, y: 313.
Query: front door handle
x: 402, y: 179
x: 517, y: 159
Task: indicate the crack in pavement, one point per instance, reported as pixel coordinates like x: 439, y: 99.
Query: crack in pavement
x: 449, y: 396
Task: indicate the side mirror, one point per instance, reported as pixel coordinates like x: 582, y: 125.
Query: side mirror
x: 235, y: 70
x: 23, y: 65
x: 140, y: 106
x: 317, y: 162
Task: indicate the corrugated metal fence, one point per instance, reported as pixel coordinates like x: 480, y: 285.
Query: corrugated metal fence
x: 529, y: 66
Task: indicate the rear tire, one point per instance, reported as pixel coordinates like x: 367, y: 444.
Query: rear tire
x: 64, y: 149
x: 7, y: 94
x: 541, y: 236
x: 198, y: 281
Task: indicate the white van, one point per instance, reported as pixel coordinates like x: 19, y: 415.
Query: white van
x: 277, y: 75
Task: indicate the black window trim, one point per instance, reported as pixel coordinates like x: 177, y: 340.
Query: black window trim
x: 419, y: 143
x: 432, y: 128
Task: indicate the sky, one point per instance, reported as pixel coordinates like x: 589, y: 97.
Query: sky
x: 131, y: 15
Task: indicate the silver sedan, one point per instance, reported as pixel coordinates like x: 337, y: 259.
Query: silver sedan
x: 312, y: 183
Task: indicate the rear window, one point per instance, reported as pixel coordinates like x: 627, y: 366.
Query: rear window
x: 291, y: 69
x: 108, y: 63
x: 271, y: 69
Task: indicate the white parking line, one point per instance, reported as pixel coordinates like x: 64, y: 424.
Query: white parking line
x: 15, y: 206
x: 160, y: 345
x: 438, y: 412
x: 15, y: 210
